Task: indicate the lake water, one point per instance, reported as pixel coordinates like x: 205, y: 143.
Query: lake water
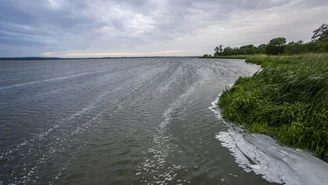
x: 118, y: 121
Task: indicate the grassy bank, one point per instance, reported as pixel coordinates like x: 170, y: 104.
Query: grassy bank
x: 287, y: 100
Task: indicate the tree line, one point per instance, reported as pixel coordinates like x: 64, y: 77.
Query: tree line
x: 278, y: 46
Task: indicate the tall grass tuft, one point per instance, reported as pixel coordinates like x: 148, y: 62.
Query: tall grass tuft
x: 287, y: 99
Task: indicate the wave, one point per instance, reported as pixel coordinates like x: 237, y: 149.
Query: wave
x: 155, y: 167
x: 50, y: 80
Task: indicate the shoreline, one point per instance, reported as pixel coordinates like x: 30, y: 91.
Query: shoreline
x: 265, y: 156
x: 285, y: 100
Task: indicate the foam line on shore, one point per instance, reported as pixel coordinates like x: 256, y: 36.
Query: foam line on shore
x: 262, y: 155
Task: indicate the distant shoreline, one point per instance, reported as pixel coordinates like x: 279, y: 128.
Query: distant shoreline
x: 228, y: 57
x: 59, y: 58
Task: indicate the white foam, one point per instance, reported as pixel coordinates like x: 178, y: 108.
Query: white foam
x: 262, y: 155
x: 214, y: 107
x: 155, y: 166
x: 49, y: 80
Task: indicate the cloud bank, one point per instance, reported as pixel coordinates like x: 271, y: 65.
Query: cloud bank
x: 92, y: 28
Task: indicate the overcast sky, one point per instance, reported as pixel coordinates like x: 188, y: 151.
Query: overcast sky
x: 97, y: 28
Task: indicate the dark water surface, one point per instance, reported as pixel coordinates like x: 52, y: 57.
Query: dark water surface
x: 117, y: 121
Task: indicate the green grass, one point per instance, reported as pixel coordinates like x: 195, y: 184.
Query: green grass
x: 287, y: 99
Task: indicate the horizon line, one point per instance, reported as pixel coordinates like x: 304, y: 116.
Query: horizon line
x: 42, y: 57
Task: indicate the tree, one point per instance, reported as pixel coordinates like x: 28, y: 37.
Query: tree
x: 218, y: 50
x: 280, y: 41
x: 261, y: 48
x: 293, y: 48
x: 276, y: 46
x: 247, y: 50
x: 228, y: 51
x: 321, y: 33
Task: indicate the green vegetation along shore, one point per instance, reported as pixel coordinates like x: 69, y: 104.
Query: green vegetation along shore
x: 287, y: 99
x: 277, y: 46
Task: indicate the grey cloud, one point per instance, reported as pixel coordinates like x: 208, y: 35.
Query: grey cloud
x: 125, y: 26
